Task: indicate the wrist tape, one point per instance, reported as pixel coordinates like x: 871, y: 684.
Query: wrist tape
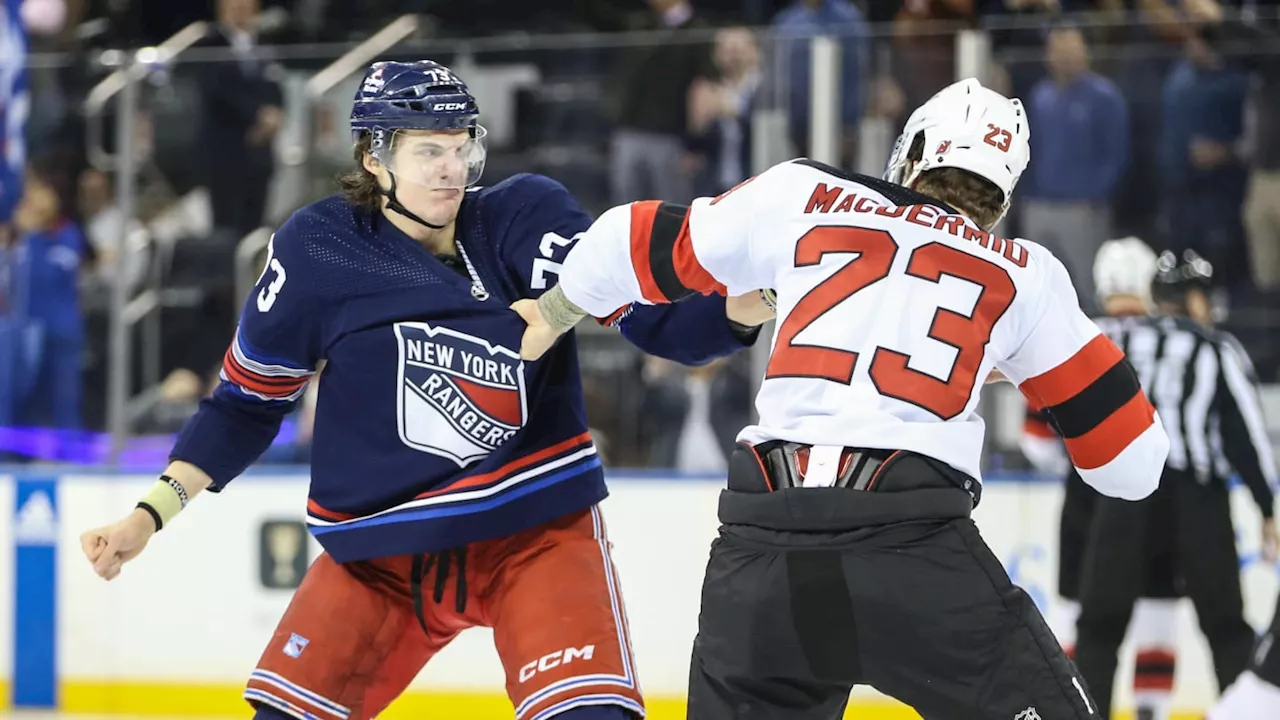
x: 558, y: 311
x: 164, y: 500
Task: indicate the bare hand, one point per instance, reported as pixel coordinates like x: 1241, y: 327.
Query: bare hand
x: 1270, y: 540
x: 748, y: 309
x: 539, y: 336
x: 996, y: 376
x: 109, y: 548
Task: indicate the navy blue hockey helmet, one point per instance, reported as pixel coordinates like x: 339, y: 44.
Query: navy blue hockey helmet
x: 422, y: 95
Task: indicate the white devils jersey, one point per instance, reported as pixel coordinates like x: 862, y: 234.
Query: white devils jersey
x: 892, y: 311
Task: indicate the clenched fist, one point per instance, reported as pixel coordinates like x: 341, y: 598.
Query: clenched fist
x: 539, y: 336
x: 109, y: 548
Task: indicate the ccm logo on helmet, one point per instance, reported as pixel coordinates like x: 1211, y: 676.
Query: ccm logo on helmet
x: 450, y: 106
x: 554, y: 660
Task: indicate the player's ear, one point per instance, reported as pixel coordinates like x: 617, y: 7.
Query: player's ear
x: 371, y: 163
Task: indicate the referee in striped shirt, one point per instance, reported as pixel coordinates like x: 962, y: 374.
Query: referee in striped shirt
x: 1203, y: 385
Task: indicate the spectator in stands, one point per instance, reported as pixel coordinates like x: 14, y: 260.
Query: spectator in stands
x: 43, y: 20
x: 1145, y: 38
x: 924, y: 33
x: 241, y: 107
x: 1202, y: 173
x: 722, y: 112
x: 1254, y: 44
x: 693, y: 415
x: 43, y: 325
x: 15, y: 105
x: 103, y: 223
x: 1079, y: 146
x: 652, y: 157
x: 1017, y: 27
x: 794, y: 28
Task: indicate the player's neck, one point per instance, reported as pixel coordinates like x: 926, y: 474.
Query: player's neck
x: 436, y: 242
x: 933, y: 193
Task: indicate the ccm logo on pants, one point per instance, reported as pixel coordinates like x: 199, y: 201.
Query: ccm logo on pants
x: 555, y: 659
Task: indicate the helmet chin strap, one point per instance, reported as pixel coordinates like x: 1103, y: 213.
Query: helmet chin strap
x: 395, y: 206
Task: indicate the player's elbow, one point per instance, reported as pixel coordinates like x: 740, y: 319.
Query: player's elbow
x: 1135, y: 472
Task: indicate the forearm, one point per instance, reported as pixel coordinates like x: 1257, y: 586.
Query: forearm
x: 1262, y: 495
x: 559, y: 311
x: 598, y: 276
x: 193, y: 479
x: 226, y: 436
x: 170, y: 495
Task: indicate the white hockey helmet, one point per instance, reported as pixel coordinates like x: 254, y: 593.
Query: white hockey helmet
x: 1124, y: 267
x: 970, y: 127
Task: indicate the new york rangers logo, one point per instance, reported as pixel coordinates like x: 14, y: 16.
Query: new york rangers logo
x: 459, y: 396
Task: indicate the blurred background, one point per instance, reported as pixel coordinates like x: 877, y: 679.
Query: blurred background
x: 151, y: 146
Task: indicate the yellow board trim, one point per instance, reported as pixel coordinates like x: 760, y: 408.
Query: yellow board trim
x: 223, y: 700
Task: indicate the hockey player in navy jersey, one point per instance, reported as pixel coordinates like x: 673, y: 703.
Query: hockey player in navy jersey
x: 453, y: 485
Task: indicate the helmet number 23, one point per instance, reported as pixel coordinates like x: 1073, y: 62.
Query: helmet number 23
x: 267, y: 298
x: 998, y: 138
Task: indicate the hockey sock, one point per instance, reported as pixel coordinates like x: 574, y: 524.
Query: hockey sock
x: 595, y: 712
x: 1155, y: 638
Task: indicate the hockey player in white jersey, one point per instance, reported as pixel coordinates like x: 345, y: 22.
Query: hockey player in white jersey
x: 846, y: 554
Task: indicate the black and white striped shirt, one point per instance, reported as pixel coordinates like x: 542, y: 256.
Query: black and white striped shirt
x: 1203, y: 385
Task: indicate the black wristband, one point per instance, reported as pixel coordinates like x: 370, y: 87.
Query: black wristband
x: 154, y: 515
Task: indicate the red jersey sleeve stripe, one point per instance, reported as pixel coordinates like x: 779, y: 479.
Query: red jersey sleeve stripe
x: 688, y: 270
x: 642, y: 215
x: 1110, y: 437
x: 268, y: 386
x: 1038, y: 428
x: 1072, y: 377
x: 662, y: 254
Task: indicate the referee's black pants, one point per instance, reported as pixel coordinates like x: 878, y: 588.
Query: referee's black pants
x: 1078, y: 501
x: 1190, y: 523
x: 810, y: 591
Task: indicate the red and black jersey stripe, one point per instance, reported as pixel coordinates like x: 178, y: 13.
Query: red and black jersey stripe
x: 1095, y: 401
x: 662, y: 253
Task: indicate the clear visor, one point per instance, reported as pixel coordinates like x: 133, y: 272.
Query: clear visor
x: 437, y: 159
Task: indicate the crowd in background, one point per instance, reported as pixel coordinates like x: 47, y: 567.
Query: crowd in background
x: 1156, y: 118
